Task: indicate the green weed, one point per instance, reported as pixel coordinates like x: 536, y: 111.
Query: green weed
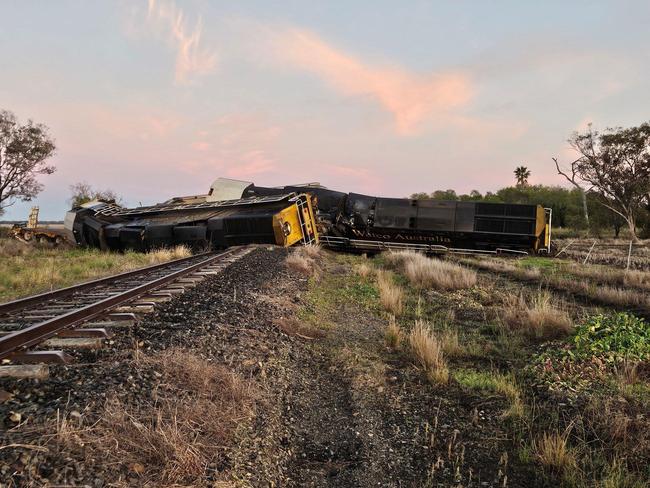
x: 613, y: 337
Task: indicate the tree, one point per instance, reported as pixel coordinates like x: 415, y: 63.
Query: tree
x: 574, y: 181
x: 24, y: 149
x: 444, y: 195
x: 522, y: 174
x: 436, y: 195
x: 601, y: 216
x: 616, y: 163
x: 83, y: 193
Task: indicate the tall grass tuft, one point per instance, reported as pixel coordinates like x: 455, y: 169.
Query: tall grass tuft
x: 364, y: 270
x: 451, y: 345
x: 427, y: 351
x: 390, y: 294
x: 553, y: 452
x: 165, y: 254
x: 393, y: 335
x: 539, y: 319
x: 305, y: 260
x: 425, y: 272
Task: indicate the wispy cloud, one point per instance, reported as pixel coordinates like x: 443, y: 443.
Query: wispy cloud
x: 252, y: 163
x: 361, y: 179
x: 411, y: 98
x: 192, y: 58
x: 239, y: 145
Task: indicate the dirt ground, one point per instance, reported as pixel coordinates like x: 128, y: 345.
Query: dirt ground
x: 350, y: 412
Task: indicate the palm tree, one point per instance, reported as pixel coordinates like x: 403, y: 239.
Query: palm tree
x: 522, y: 173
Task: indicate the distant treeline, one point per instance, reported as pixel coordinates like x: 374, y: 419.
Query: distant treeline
x: 566, y: 204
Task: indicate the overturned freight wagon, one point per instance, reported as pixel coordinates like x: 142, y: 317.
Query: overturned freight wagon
x: 237, y: 212
x: 202, y: 223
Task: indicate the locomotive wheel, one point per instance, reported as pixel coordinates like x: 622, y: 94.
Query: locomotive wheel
x: 28, y: 235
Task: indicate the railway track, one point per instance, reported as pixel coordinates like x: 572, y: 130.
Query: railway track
x: 30, y: 326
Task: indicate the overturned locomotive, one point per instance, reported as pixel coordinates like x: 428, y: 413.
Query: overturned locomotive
x: 237, y: 212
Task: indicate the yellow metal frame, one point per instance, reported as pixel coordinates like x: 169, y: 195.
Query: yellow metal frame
x: 542, y: 229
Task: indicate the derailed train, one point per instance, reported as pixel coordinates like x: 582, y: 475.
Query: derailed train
x: 237, y: 212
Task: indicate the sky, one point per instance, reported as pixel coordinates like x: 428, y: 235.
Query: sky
x: 157, y: 98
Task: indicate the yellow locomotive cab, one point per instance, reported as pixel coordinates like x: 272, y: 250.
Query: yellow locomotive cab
x: 296, y: 223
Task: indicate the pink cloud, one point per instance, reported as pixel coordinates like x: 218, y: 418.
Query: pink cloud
x: 192, y: 58
x: 201, y: 146
x: 250, y: 164
x: 238, y: 145
x: 132, y: 122
x: 236, y: 132
x: 361, y: 179
x: 410, y: 98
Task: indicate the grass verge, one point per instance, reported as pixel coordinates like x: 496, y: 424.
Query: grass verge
x: 27, y: 269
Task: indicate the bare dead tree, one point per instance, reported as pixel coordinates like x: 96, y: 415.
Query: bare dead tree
x: 573, y: 179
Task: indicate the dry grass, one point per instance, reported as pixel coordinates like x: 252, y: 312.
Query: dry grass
x: 160, y: 443
x: 13, y: 247
x: 617, y: 476
x: 601, y: 284
x: 186, y: 370
x: 364, y: 270
x: 617, y: 296
x: 394, y: 334
x: 504, y: 267
x: 552, y: 451
x: 390, y: 294
x: 305, y: 260
x: 451, y: 345
x: 428, y: 353
x: 508, y: 387
x: 28, y: 269
x: 539, y: 318
x: 296, y: 328
x: 638, y: 279
x: 313, y: 251
x: 492, y: 265
x: 300, y: 264
x: 627, y: 373
x: 611, y: 276
x: 621, y: 422
x: 165, y: 254
x: 188, y: 425
x: 425, y: 272
x: 610, y: 295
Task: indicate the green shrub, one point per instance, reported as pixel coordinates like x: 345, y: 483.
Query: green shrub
x: 613, y: 337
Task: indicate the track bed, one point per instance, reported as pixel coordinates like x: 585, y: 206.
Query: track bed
x: 325, y: 405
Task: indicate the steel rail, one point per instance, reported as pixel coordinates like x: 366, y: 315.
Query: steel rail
x: 70, y: 290
x: 37, y: 333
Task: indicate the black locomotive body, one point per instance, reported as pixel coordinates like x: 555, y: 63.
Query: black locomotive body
x: 355, y: 221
